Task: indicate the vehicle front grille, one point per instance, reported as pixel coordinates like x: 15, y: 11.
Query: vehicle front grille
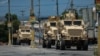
x: 75, y: 32
x: 26, y: 35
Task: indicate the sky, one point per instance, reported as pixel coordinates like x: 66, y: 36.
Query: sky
x: 48, y: 7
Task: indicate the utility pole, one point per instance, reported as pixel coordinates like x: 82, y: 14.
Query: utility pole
x: 98, y: 34
x: 39, y: 8
x: 57, y: 7
x: 32, y: 20
x: 39, y: 22
x: 9, y: 24
x: 97, y: 2
x: 71, y: 4
x: 32, y: 9
x: 22, y: 11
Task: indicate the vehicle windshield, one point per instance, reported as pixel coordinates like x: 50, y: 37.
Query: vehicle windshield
x: 77, y: 23
x: 53, y: 24
x: 27, y: 30
x: 67, y: 22
x: 22, y: 30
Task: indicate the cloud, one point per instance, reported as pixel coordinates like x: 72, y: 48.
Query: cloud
x: 3, y: 1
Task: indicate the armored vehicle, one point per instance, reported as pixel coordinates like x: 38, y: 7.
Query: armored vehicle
x: 24, y: 34
x: 72, y: 34
x: 50, y: 31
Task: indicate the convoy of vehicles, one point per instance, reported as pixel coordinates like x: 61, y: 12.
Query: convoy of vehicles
x: 65, y: 33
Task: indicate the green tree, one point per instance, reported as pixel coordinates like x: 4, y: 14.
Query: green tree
x: 3, y: 33
x: 4, y: 28
x: 98, y: 7
x: 7, y: 16
x: 14, y: 20
x: 15, y: 24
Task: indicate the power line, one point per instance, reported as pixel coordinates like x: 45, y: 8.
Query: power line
x: 37, y: 5
x: 57, y: 7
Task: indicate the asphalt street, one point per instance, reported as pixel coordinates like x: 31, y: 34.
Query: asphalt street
x: 39, y: 51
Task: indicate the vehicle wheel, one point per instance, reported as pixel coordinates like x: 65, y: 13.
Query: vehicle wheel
x: 48, y: 43
x: 62, y: 45
x: 28, y: 42
x: 20, y: 42
x: 68, y: 44
x: 78, y: 47
x: 44, y: 44
x: 85, y: 45
x: 57, y: 45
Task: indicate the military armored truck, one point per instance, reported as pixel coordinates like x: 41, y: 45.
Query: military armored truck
x: 72, y: 33
x: 24, y: 34
x: 50, y: 31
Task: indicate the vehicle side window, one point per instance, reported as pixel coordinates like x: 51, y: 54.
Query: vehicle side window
x: 77, y: 23
x: 22, y: 30
x: 53, y: 24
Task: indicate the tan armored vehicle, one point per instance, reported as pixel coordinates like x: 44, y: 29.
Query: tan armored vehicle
x: 72, y: 34
x: 50, y: 31
x: 24, y: 34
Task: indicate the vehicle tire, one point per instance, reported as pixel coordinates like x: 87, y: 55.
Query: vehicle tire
x: 48, y: 43
x: 62, y: 45
x: 44, y: 44
x: 68, y: 44
x: 29, y: 42
x: 20, y: 42
x: 57, y: 45
x: 79, y: 45
x: 85, y: 45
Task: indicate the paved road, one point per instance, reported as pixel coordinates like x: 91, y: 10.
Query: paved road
x: 39, y: 51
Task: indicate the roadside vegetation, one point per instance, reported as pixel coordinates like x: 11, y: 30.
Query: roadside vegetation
x: 4, y: 28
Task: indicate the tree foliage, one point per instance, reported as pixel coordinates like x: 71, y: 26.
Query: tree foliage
x: 3, y: 33
x: 14, y: 20
x: 98, y: 7
x: 4, y: 28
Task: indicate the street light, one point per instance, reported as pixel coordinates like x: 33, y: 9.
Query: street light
x: 94, y: 13
x: 94, y: 22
